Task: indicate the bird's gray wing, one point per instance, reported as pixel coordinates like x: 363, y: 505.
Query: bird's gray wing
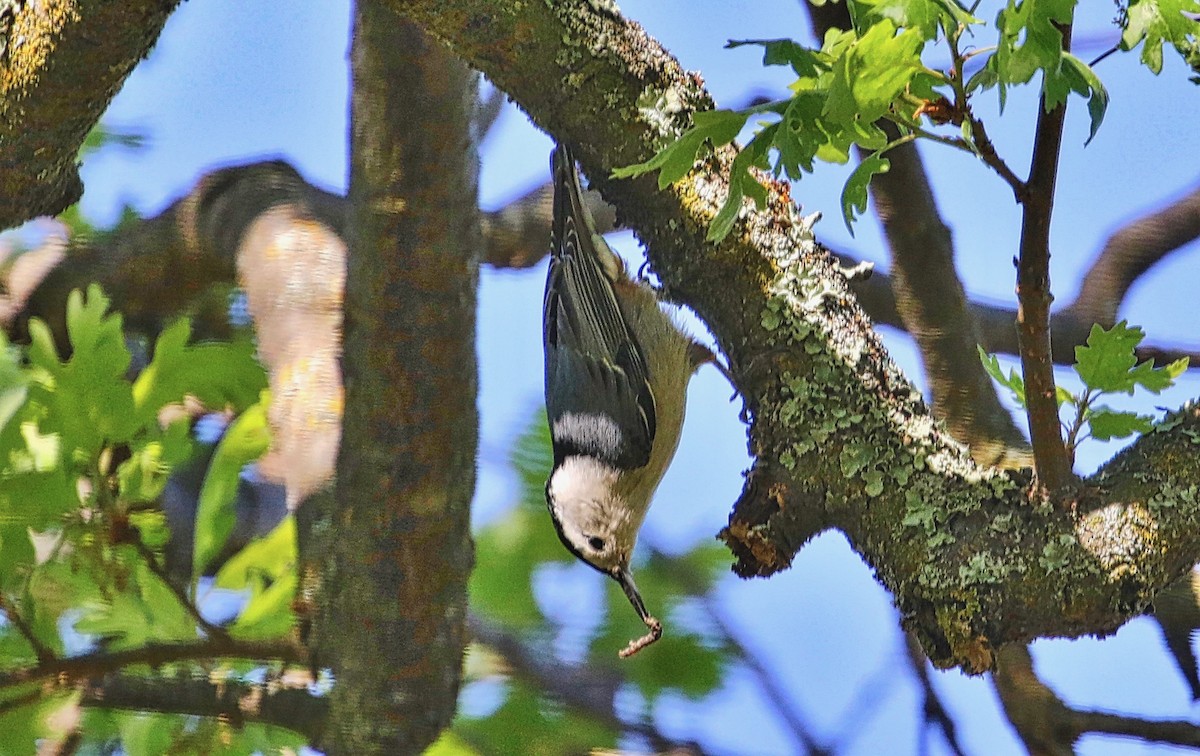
x: 598, y: 395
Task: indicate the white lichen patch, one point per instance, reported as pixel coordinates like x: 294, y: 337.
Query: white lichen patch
x: 1119, y: 535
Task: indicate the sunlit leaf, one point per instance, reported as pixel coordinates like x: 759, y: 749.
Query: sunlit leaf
x: 244, y: 442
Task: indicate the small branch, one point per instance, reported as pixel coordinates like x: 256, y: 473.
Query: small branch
x: 283, y: 700
x: 983, y: 143
x: 1178, y: 732
x: 41, y: 651
x: 1104, y: 55
x: 1131, y: 251
x: 1051, y: 461
x: 155, y: 654
x: 213, y: 631
x: 587, y: 689
x: 771, y: 686
x: 935, y: 711
x: 1046, y: 725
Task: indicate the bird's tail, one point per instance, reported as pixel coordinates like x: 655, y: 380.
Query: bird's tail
x: 569, y: 205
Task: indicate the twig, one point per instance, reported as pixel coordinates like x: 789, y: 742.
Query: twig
x: 155, y: 654
x: 935, y: 712
x: 1179, y: 732
x: 586, y: 689
x: 983, y: 143
x: 1033, y: 295
x: 189, y: 606
x: 1046, y: 725
x: 1104, y: 55
x: 41, y: 651
x: 285, y: 701
x: 1132, y: 250
x: 771, y: 686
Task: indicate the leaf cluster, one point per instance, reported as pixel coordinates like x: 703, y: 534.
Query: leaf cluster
x: 1105, y: 365
x: 88, y: 444
x: 875, y: 72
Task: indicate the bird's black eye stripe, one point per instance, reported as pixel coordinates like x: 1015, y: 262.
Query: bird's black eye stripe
x: 597, y: 544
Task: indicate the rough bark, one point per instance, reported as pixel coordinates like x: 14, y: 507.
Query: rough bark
x: 61, y: 63
x: 391, y: 601
x: 840, y: 438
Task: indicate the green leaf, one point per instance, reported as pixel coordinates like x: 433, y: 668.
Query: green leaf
x: 450, y: 743
x: 218, y: 374
x: 27, y: 726
x: 88, y: 398
x: 1013, y: 382
x: 13, y: 381
x: 267, y: 568
x: 784, y: 52
x: 873, y: 72
x: 269, y: 612
x: 675, y: 161
x: 525, y: 723
x: 16, y: 553
x: 1106, y: 362
x: 1029, y: 39
x: 1108, y: 424
x: 927, y: 16
x: 854, y: 193
x: 1063, y: 396
x: 247, y: 438
x: 102, y: 136
x: 144, y: 475
x: 270, y: 557
x: 144, y: 734
x: 1156, y: 22
x: 145, y: 611
x: 1076, y: 76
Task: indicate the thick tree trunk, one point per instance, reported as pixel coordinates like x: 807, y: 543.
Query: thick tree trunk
x: 392, y: 600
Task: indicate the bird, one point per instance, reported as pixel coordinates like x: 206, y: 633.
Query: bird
x: 617, y: 371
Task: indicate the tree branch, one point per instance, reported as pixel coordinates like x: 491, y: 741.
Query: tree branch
x: 40, y: 650
x: 47, y: 107
x: 935, y: 711
x: 929, y: 295
x: 1051, y: 459
x: 154, y: 654
x: 840, y: 438
x: 588, y: 690
x: 396, y: 553
x: 1130, y: 252
x: 282, y: 700
x: 1046, y: 725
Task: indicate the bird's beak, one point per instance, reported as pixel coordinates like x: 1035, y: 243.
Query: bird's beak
x: 623, y: 576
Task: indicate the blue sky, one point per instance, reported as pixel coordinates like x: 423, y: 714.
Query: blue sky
x: 234, y: 80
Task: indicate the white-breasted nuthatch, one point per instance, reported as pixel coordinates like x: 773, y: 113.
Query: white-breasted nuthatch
x: 617, y: 370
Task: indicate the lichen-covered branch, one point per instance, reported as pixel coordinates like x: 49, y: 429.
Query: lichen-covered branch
x: 840, y: 438
x: 61, y: 63
x: 930, y: 297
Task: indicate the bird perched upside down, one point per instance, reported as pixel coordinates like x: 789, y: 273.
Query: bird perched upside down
x: 617, y: 370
